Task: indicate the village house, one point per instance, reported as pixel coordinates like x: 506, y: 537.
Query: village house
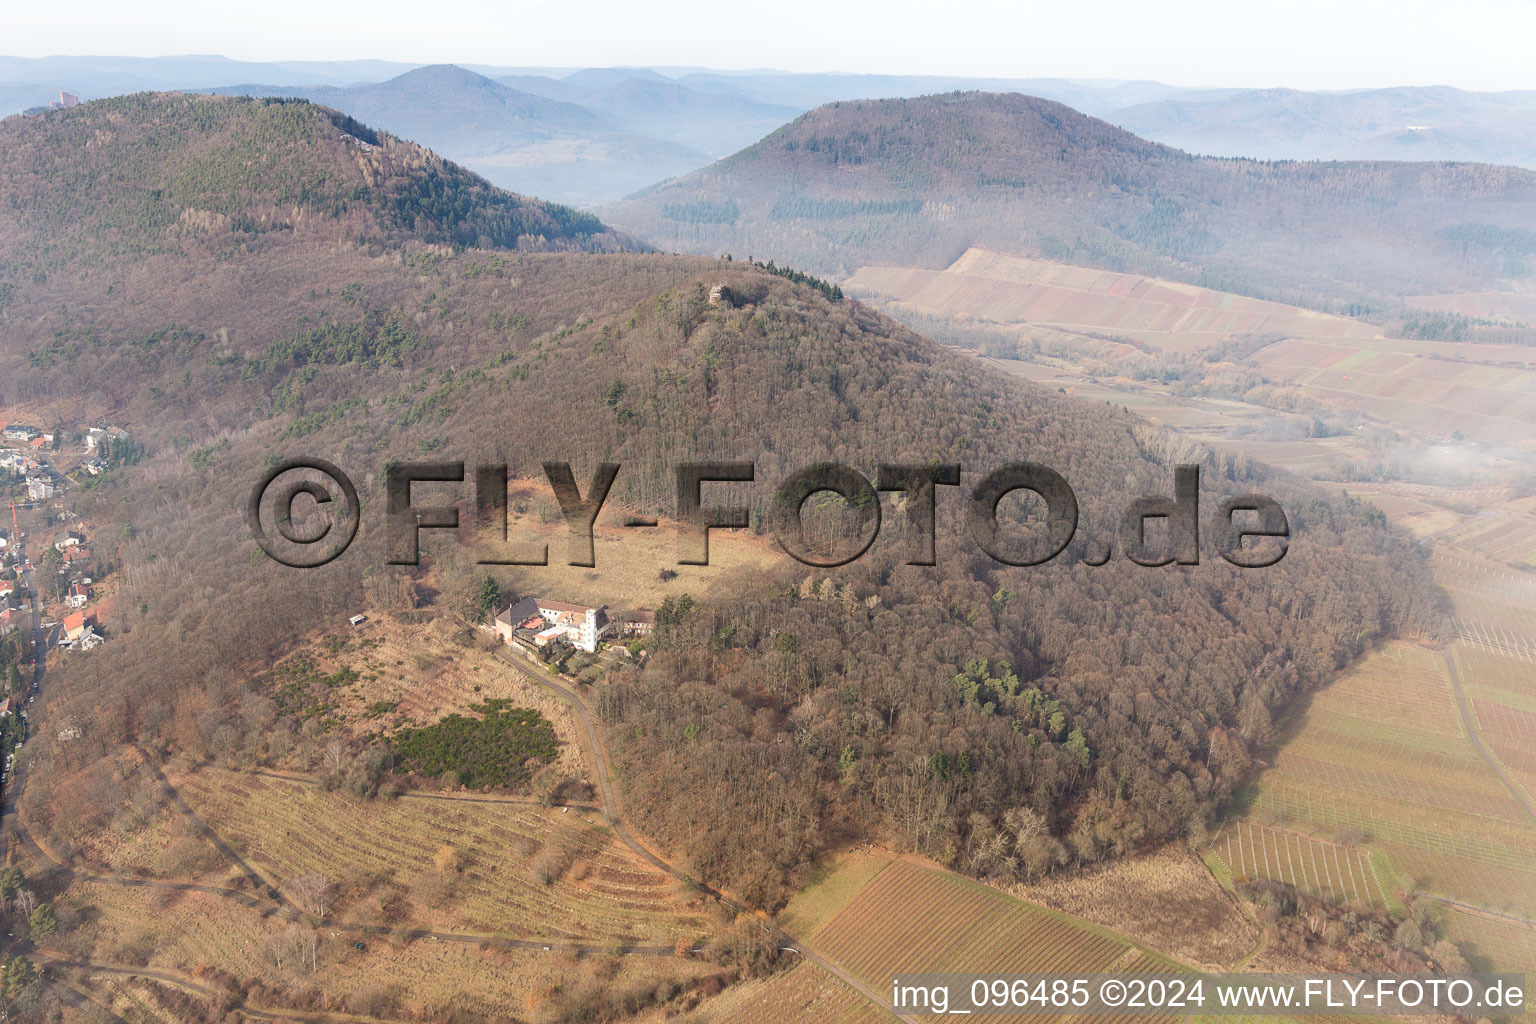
x: 19, y: 462
x: 94, y: 437
x: 75, y: 554
x: 20, y: 432
x: 39, y: 488
x: 639, y: 622
x: 68, y: 539
x: 75, y: 625
x: 79, y: 594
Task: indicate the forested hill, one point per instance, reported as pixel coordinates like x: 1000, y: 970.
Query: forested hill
x: 1002, y: 719
x: 167, y: 173
x: 917, y: 181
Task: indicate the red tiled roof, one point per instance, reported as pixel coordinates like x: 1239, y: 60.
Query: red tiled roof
x: 561, y: 606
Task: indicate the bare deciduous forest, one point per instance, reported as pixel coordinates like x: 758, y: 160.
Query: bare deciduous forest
x: 1001, y: 720
x: 239, y: 281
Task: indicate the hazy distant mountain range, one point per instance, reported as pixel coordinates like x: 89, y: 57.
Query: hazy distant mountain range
x: 595, y: 135
x: 1374, y: 124
x: 525, y: 142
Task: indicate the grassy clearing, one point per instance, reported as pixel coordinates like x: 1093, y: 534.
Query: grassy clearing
x: 165, y: 928
x: 1179, y: 907
x: 629, y: 562
x: 833, y: 887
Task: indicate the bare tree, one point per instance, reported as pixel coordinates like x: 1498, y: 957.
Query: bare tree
x: 336, y: 753
x: 295, y: 946
x: 313, y: 892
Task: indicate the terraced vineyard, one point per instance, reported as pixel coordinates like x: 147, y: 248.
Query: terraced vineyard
x: 1019, y: 289
x: 1383, y: 758
x: 910, y: 918
x: 600, y: 891
x: 805, y: 995
x: 1423, y: 386
x: 1505, y: 945
x: 1381, y: 753
x: 171, y: 929
x: 1495, y: 654
x: 1306, y: 862
x: 181, y: 932
x: 1508, y: 535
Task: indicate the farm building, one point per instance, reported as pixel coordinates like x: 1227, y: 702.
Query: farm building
x: 544, y: 621
x: 639, y: 622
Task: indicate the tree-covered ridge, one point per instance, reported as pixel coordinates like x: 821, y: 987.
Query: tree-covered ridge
x: 917, y: 181
x: 1096, y: 708
x: 151, y: 172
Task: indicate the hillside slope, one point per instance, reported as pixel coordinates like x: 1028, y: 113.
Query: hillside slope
x: 1002, y: 719
x: 917, y: 182
x: 165, y: 173
x: 522, y: 140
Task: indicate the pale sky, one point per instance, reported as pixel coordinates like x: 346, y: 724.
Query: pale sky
x: 1312, y: 44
